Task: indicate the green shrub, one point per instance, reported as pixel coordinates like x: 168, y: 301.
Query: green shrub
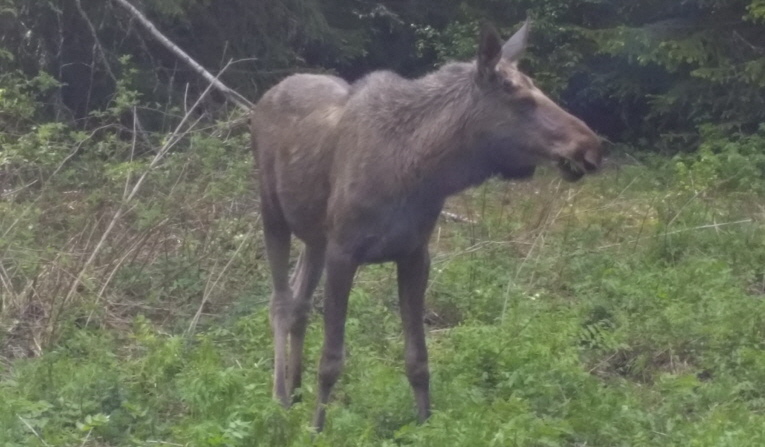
x: 724, y: 161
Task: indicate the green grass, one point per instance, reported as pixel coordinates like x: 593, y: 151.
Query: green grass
x: 625, y: 310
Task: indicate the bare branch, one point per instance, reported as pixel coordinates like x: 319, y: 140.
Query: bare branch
x: 230, y: 94
x: 96, y: 42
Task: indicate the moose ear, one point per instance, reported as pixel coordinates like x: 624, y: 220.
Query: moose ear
x: 513, y: 49
x: 489, y: 49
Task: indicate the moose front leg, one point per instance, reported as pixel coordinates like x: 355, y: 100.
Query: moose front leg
x: 340, y: 269
x: 412, y: 281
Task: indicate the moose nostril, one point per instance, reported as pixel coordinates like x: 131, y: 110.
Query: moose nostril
x: 591, y: 159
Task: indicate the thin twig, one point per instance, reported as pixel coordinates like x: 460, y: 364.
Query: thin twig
x: 77, y: 148
x: 457, y: 217
x: 538, y: 242
x: 85, y: 441
x: 33, y: 431
x: 755, y: 48
x: 211, y: 286
x: 683, y: 230
x: 136, y: 246
x: 96, y: 41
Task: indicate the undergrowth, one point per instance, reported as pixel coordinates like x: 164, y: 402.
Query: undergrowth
x: 628, y: 309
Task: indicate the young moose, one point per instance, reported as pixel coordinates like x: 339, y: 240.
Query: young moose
x: 360, y: 173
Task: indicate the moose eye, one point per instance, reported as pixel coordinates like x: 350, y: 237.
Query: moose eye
x: 508, y: 85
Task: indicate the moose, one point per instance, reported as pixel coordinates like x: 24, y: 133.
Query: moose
x: 360, y: 172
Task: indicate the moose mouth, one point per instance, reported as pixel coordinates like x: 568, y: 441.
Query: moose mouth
x: 573, y: 170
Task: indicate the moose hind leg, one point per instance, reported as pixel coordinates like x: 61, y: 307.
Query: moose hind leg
x: 304, y: 281
x: 340, y: 271
x: 277, y: 239
x: 412, y: 281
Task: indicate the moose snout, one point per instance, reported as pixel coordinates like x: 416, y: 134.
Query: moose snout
x: 582, y: 155
x: 593, y: 156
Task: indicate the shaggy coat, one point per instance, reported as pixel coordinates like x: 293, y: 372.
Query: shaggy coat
x: 360, y: 173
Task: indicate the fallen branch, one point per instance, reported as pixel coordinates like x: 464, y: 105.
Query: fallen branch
x: 230, y: 94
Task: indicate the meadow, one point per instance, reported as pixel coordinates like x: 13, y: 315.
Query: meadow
x: 624, y: 310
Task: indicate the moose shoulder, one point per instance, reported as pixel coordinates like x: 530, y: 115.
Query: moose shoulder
x: 360, y: 173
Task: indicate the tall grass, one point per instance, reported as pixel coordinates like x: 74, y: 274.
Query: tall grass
x: 624, y: 310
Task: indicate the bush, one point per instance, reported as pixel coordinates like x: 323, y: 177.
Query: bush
x: 724, y: 162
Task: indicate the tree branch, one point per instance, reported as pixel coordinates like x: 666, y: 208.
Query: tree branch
x: 230, y: 94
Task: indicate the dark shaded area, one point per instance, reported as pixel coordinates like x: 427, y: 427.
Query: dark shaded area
x: 635, y: 71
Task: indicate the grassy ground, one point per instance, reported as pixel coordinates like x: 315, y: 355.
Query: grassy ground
x: 628, y: 309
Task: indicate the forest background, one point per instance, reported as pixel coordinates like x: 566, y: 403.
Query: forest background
x: 626, y: 310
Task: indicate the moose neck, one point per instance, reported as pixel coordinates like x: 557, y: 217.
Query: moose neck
x: 442, y: 153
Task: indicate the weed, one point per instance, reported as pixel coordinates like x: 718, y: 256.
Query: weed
x: 626, y: 310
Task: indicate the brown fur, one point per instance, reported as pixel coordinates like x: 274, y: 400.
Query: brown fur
x: 360, y: 173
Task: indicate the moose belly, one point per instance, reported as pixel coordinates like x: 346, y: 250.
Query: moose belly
x: 389, y: 237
